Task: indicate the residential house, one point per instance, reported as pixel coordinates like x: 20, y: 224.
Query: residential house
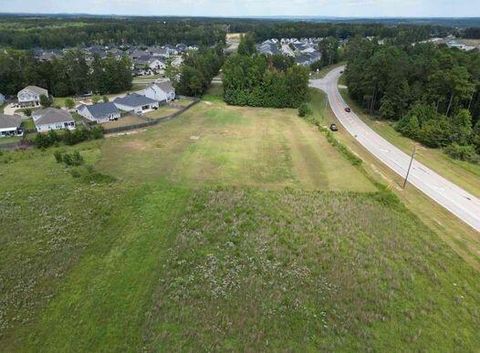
x: 148, y: 64
x: 136, y: 103
x: 308, y: 59
x: 101, y: 112
x: 177, y: 61
x: 30, y: 95
x: 52, y: 119
x: 10, y: 125
x: 159, y: 91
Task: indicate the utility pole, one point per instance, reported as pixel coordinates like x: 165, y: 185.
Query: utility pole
x: 410, y: 165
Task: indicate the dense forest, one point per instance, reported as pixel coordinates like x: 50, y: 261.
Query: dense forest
x: 431, y: 92
x: 69, y: 75
x: 48, y: 32
x: 263, y: 81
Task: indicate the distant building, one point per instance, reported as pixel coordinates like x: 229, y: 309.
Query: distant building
x: 136, y: 103
x: 52, y: 119
x: 30, y: 96
x: 101, y: 112
x: 10, y: 125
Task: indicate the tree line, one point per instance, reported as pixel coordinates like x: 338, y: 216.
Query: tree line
x: 290, y: 29
x: 195, y: 74
x: 263, y: 81
x: 72, y: 74
x: 47, y: 32
x: 432, y: 93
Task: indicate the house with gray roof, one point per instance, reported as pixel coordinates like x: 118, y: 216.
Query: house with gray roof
x: 100, y: 112
x: 136, y: 103
x: 52, y: 119
x: 160, y: 91
x: 30, y: 96
x: 10, y: 125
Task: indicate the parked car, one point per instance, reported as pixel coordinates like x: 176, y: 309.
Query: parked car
x: 348, y: 110
x: 333, y: 127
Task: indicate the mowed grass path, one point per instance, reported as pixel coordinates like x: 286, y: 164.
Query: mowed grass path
x: 199, y: 246
x: 218, y: 144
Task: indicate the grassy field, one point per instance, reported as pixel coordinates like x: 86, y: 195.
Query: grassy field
x: 123, y: 121
x: 464, y: 174
x: 217, y: 144
x: 161, y: 112
x: 227, y: 229
x: 8, y: 140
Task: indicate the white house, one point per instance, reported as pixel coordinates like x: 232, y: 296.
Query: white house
x: 177, y: 61
x: 10, y: 125
x: 2, y: 99
x: 101, y: 112
x: 30, y: 95
x: 52, y: 119
x: 136, y: 103
x: 159, y: 91
x: 148, y: 64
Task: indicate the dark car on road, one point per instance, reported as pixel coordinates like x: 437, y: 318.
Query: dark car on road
x: 333, y: 127
x: 348, y: 110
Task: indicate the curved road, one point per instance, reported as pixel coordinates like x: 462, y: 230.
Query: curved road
x: 458, y: 201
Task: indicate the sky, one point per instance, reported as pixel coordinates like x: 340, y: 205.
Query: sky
x: 239, y: 8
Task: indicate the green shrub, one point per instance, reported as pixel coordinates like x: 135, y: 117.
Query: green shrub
x: 73, y: 159
x: 88, y: 174
x: 46, y: 101
x: 304, y: 110
x: 69, y: 103
x: 58, y: 156
x: 27, y: 111
x: 464, y: 153
x: 356, y: 161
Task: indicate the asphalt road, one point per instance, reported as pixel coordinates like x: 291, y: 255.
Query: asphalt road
x: 458, y: 201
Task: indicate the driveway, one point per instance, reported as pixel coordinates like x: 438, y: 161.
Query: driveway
x: 458, y: 201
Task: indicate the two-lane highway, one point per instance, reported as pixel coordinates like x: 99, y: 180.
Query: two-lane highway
x: 458, y: 201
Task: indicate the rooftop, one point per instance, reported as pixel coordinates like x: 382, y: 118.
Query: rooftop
x: 52, y: 116
x: 134, y: 100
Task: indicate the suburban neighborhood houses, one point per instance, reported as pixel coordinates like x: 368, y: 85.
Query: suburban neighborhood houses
x: 52, y: 119
x: 146, y: 60
x: 136, y: 103
x: 100, y: 112
x: 30, y: 96
x: 304, y: 51
x: 45, y: 119
x: 159, y: 91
